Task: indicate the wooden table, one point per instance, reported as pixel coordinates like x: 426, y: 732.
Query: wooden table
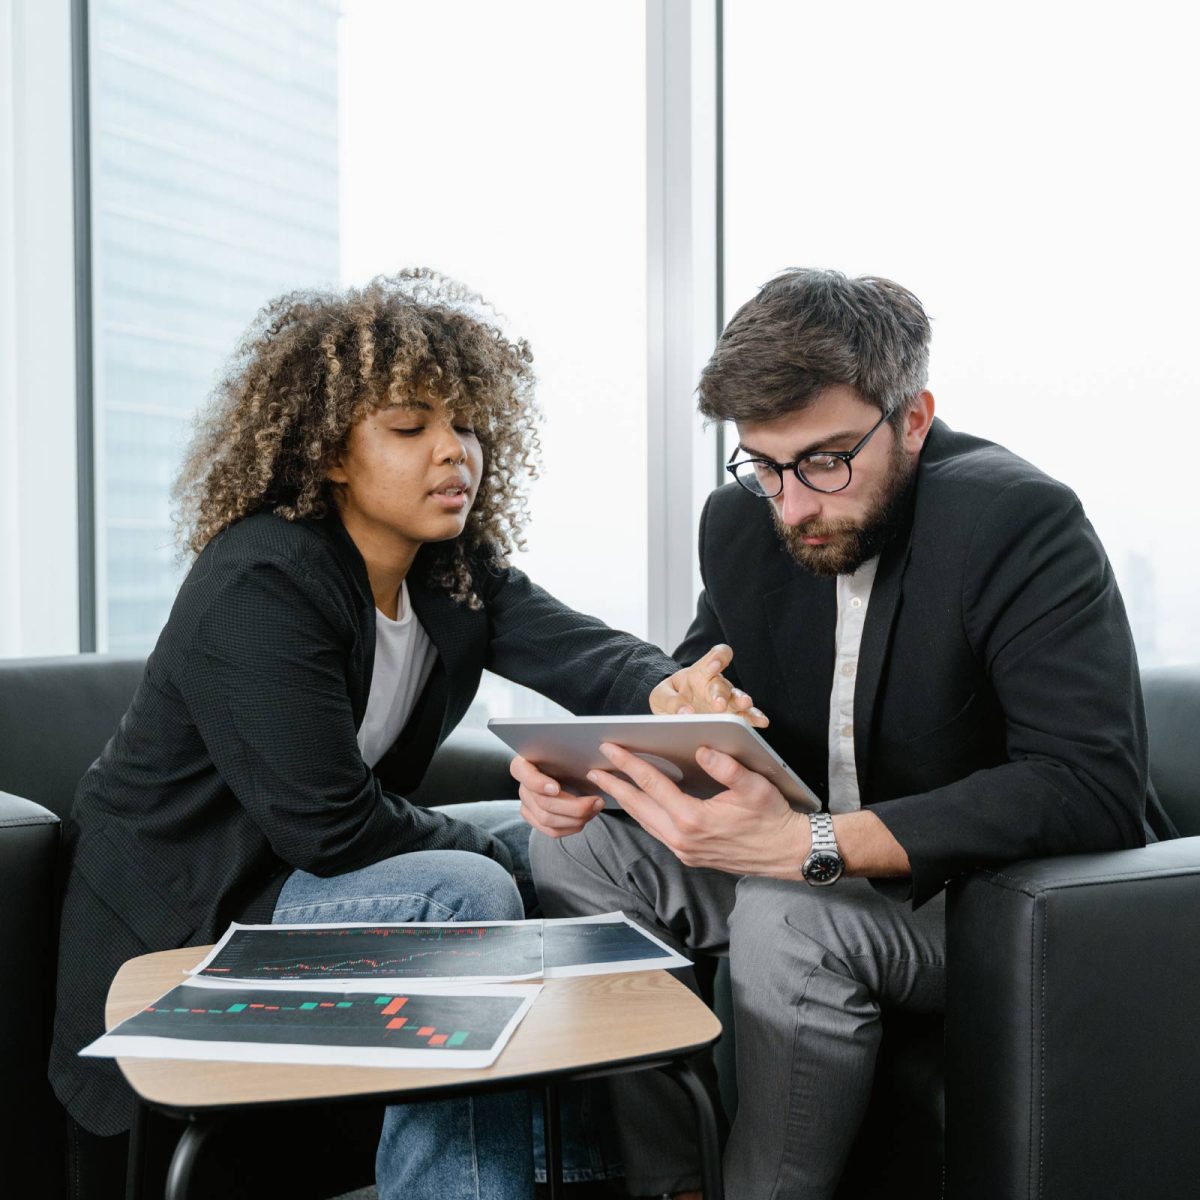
x: 578, y: 1028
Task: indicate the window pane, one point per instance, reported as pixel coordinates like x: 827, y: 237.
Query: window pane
x: 1023, y: 171
x: 239, y: 154
x: 215, y: 186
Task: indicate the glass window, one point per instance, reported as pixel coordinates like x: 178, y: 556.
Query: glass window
x: 243, y: 149
x: 215, y: 160
x: 1024, y: 170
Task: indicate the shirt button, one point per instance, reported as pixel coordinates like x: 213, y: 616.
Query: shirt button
x: 847, y: 668
x: 856, y: 602
x: 847, y: 731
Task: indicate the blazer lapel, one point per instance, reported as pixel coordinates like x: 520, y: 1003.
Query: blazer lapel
x: 447, y: 622
x: 886, y: 594
x: 802, y: 618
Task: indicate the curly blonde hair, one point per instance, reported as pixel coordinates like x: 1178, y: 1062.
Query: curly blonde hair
x: 313, y: 363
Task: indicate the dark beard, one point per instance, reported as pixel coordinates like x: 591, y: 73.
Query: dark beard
x: 854, y: 542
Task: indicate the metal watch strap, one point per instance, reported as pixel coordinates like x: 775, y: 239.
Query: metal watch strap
x: 824, y: 864
x: 822, y: 832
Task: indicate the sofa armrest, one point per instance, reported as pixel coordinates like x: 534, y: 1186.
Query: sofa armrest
x: 1072, y: 1031
x: 471, y: 764
x: 29, y: 837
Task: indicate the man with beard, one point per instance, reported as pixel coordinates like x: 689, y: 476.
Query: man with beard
x: 935, y: 633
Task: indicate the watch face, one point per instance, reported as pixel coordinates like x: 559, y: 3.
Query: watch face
x: 822, y: 867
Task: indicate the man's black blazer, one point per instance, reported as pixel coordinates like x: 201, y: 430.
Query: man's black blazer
x: 997, y: 707
x: 238, y: 760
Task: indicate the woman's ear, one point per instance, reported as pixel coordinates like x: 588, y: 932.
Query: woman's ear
x: 335, y: 472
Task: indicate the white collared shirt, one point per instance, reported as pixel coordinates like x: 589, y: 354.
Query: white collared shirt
x: 853, y: 596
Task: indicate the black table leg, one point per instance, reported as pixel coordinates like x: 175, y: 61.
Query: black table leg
x: 706, y: 1127
x: 552, y: 1135
x: 135, y: 1169
x: 183, y: 1161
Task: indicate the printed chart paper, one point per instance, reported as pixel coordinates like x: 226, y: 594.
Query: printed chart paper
x: 347, y: 957
x: 603, y: 945
x: 384, y: 954
x: 427, y: 1027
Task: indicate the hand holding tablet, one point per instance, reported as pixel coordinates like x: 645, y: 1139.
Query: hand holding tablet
x: 565, y: 749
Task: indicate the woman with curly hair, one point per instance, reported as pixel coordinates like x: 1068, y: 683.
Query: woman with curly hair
x: 350, y: 499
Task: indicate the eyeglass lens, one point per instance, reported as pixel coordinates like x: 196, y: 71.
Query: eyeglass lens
x: 820, y: 471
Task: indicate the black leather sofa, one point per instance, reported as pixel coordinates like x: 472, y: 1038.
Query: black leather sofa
x: 1071, y: 1046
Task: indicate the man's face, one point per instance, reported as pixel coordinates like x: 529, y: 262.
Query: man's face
x: 834, y: 533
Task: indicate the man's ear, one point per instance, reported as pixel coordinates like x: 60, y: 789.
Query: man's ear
x: 917, y: 421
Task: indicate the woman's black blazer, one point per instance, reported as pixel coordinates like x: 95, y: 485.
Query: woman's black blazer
x: 238, y: 760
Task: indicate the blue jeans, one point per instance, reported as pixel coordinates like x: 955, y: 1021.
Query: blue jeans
x: 476, y: 1147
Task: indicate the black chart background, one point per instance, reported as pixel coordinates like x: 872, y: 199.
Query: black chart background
x: 602, y: 942
x: 362, y: 1024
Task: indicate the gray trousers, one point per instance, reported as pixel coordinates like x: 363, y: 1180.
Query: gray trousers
x: 810, y: 968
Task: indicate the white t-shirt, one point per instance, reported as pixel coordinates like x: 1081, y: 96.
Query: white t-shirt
x: 404, y: 657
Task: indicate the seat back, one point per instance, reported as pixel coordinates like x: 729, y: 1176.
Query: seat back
x: 1173, y: 718
x: 56, y: 715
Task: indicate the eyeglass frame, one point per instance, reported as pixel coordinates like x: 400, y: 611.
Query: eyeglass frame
x: 845, y: 456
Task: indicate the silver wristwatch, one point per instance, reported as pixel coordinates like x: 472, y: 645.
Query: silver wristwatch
x: 824, y: 864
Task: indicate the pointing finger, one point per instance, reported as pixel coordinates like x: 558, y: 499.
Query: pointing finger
x: 718, y: 658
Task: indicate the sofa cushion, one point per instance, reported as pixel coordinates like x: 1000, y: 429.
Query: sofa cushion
x: 56, y: 715
x: 1173, y: 718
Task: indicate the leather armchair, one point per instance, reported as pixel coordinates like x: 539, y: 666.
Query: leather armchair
x: 55, y: 716
x: 1072, y: 1041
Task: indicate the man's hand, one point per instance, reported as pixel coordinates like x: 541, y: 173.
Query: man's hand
x: 699, y: 688
x: 546, y: 807
x: 748, y: 829
x: 702, y: 688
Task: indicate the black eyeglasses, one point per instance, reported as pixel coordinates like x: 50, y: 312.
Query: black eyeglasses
x: 823, y: 470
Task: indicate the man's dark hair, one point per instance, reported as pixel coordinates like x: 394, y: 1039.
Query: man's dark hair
x: 807, y: 330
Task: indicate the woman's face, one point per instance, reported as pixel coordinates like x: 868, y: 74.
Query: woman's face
x: 408, y: 474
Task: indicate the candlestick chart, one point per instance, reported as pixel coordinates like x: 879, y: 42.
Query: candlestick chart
x: 391, y: 1020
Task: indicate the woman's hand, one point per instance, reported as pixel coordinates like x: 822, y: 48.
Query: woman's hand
x: 546, y: 807
x: 702, y: 688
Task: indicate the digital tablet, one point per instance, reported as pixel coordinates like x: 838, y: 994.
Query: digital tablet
x: 567, y: 748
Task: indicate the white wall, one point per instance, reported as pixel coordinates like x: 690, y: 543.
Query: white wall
x: 39, y: 611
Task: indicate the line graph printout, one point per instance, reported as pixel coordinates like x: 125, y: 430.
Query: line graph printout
x: 317, y: 955
x: 355, y: 956
x: 603, y: 945
x: 447, y: 1027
